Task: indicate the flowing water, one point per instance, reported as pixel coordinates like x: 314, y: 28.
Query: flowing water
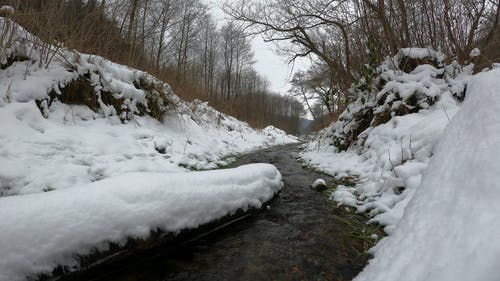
x: 296, y: 238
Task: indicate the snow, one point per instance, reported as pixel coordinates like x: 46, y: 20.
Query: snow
x: 450, y: 229
x: 388, y: 160
x: 73, y: 178
x: 6, y: 8
x: 75, y: 146
x: 50, y: 228
x: 421, y: 53
x: 475, y: 53
x: 70, y: 144
x: 430, y: 176
x: 318, y: 183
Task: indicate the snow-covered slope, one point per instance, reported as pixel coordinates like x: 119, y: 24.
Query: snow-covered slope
x: 92, y: 152
x: 425, y: 166
x: 75, y: 145
x: 80, y: 118
x: 387, y: 137
x: 451, y: 228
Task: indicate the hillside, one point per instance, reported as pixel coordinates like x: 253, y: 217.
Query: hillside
x: 415, y: 152
x: 99, y: 153
x: 77, y: 118
x: 450, y: 227
x: 385, y: 139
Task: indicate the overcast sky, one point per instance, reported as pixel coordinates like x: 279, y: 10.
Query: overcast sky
x: 270, y: 65
x: 273, y: 66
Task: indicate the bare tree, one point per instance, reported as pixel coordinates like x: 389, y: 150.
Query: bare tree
x: 337, y: 32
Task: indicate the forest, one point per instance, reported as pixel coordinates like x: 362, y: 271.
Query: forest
x: 347, y: 40
x: 182, y: 43
x: 178, y: 41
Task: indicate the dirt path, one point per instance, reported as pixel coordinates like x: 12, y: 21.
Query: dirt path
x: 298, y: 238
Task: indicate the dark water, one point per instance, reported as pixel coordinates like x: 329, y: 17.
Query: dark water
x: 296, y: 239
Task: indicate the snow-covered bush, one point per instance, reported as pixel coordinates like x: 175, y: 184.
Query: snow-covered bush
x: 74, y: 78
x: 387, y: 136
x: 450, y: 228
x: 404, y: 84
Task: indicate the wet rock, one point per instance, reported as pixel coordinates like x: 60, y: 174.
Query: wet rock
x: 319, y: 185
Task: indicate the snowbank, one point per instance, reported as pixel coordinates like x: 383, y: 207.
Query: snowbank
x: 277, y: 135
x: 451, y: 227
x: 80, y: 118
x: 390, y: 135
x: 41, y: 231
x: 75, y: 145
x: 93, y: 152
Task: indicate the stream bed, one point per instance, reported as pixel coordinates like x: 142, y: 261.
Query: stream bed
x: 297, y: 237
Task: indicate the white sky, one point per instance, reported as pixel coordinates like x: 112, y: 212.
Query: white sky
x: 270, y: 65
x: 274, y: 67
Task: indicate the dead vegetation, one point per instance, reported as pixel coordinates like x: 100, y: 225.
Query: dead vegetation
x: 378, y: 104
x: 177, y: 41
x: 80, y: 91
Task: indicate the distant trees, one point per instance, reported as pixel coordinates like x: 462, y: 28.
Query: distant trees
x: 317, y: 85
x: 202, y: 60
x: 177, y: 40
x: 180, y: 42
x: 344, y: 35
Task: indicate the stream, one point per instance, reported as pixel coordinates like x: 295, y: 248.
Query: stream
x: 296, y: 238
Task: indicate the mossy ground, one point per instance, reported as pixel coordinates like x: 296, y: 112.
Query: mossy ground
x: 364, y: 234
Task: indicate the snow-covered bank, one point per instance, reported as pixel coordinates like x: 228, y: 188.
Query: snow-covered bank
x: 76, y: 146
x: 80, y: 118
x: 41, y: 231
x: 451, y: 228
x: 93, y: 152
x: 426, y: 167
x: 387, y: 137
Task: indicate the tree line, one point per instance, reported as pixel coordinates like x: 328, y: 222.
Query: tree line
x: 179, y: 41
x: 347, y: 39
